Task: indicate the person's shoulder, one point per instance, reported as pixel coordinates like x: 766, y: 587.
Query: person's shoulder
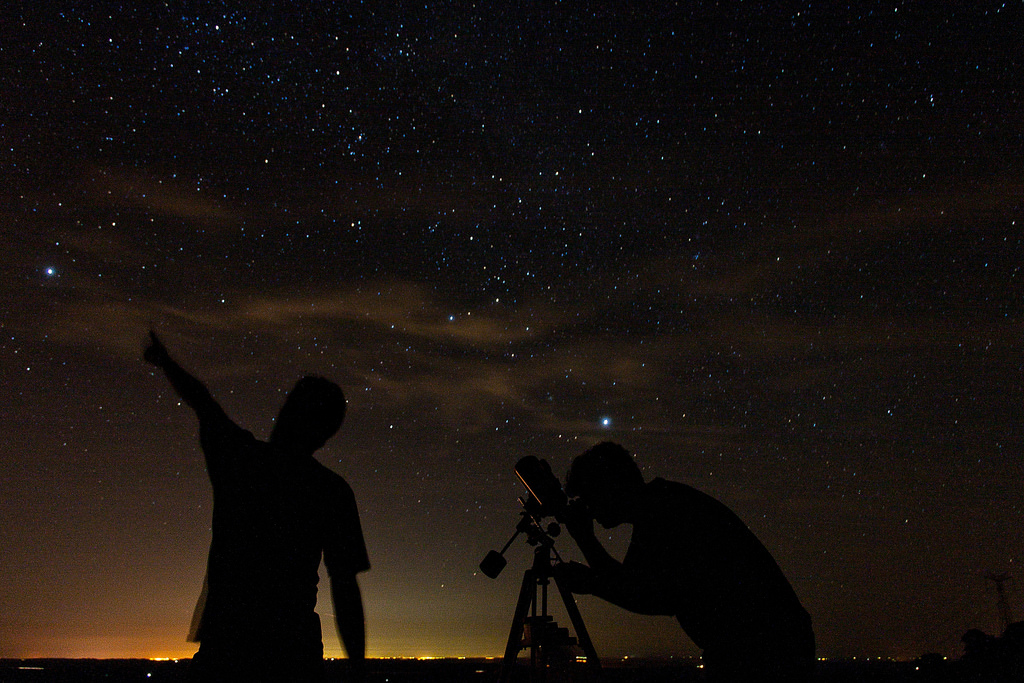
x: 673, y: 494
x: 679, y: 487
x: 664, y: 487
x: 330, y: 479
x: 659, y: 494
x: 225, y: 434
x: 695, y: 503
x: 219, y: 421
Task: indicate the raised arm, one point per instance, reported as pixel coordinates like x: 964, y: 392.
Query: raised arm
x: 190, y: 389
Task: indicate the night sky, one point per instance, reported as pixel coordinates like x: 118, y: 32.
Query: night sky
x: 773, y: 249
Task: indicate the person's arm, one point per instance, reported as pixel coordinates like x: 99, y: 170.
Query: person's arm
x: 345, y: 556
x: 606, y: 577
x: 615, y: 584
x: 348, y: 610
x: 580, y: 526
x: 190, y: 389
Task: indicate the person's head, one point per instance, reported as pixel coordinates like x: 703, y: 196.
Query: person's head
x: 312, y: 413
x: 606, y: 479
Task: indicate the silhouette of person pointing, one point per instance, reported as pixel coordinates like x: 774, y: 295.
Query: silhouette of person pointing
x: 276, y: 510
x: 690, y: 557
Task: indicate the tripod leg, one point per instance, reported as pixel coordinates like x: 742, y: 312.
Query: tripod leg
x: 515, y: 635
x: 577, y: 623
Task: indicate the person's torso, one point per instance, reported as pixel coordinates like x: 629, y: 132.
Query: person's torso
x: 717, y: 576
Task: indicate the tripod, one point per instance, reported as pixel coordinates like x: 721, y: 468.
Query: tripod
x: 534, y: 628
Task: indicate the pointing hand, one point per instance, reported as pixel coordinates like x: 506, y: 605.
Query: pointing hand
x: 156, y: 353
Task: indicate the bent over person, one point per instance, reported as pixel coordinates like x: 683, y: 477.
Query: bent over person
x: 276, y: 511
x: 690, y: 557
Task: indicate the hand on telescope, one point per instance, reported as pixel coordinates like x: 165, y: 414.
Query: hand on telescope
x: 576, y: 577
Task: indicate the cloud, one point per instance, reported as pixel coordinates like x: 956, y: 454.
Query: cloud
x: 163, y: 197
x: 401, y: 308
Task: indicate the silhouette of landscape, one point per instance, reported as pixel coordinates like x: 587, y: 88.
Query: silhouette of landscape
x: 413, y: 671
x: 1001, y: 662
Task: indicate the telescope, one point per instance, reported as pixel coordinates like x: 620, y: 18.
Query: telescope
x: 543, y: 485
x: 533, y: 627
x: 545, y: 499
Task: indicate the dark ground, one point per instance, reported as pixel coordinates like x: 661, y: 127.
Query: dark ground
x: 925, y: 670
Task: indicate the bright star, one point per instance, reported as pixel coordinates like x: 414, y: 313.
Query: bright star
x: 606, y: 422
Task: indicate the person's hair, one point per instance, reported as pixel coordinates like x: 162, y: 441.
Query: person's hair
x: 311, y: 414
x: 605, y: 463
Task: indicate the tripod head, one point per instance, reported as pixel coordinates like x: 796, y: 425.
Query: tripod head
x: 537, y: 533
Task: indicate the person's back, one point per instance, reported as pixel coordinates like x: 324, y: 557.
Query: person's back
x: 691, y: 557
x: 727, y: 591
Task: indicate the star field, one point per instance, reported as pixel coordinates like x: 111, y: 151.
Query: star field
x: 774, y: 249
